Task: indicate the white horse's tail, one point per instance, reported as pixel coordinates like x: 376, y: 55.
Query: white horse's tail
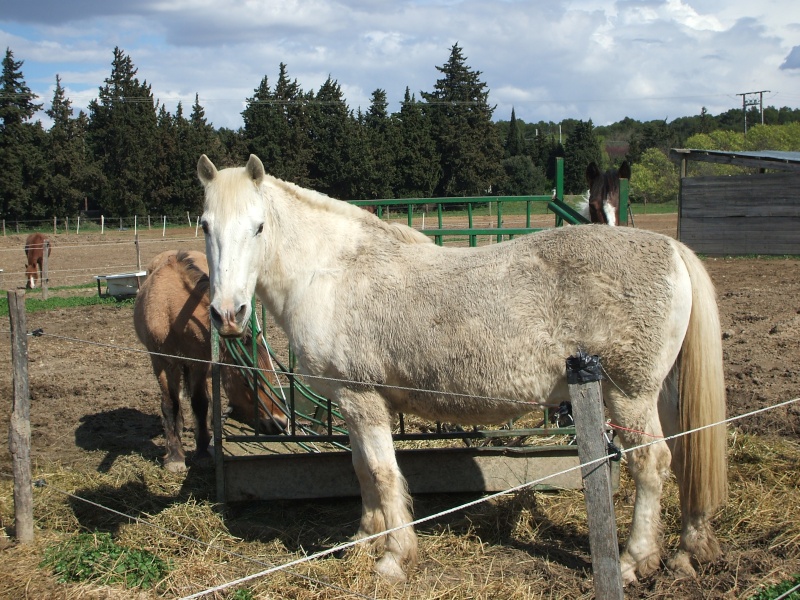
x: 701, y: 463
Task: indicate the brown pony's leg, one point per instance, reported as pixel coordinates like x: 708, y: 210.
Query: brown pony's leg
x: 196, y: 384
x: 169, y: 379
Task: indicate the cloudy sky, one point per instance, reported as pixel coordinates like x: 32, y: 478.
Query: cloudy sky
x: 550, y: 60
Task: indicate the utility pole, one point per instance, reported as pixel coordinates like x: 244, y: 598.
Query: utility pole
x: 754, y: 102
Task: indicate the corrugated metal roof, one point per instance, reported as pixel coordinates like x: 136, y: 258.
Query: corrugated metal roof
x: 767, y: 159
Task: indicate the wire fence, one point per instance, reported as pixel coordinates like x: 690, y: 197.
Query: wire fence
x: 289, y: 565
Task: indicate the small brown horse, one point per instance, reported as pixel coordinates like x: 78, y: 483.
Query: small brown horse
x: 171, y: 319
x: 34, y: 251
x: 603, y: 201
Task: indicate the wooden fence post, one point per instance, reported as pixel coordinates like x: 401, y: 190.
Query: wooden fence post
x: 583, y: 377
x: 138, y: 253
x: 19, y: 435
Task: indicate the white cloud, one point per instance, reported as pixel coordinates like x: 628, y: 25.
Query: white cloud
x: 598, y: 59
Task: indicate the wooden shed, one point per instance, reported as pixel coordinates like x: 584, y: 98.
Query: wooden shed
x: 756, y: 213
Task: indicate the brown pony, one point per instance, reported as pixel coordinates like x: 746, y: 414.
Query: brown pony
x: 171, y: 319
x: 34, y: 251
x: 603, y: 200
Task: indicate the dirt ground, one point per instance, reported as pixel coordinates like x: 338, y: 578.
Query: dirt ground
x: 94, y: 398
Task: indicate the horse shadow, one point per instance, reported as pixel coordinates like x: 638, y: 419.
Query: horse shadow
x: 124, y: 432
x: 134, y: 499
x: 119, y: 432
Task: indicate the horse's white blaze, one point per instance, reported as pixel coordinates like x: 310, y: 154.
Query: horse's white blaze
x: 611, y: 216
x: 477, y: 336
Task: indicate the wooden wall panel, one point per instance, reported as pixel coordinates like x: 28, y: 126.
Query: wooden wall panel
x: 743, y: 214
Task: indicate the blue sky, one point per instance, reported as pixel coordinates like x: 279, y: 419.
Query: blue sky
x: 583, y: 59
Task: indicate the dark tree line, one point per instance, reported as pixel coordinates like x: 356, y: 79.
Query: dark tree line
x: 129, y: 155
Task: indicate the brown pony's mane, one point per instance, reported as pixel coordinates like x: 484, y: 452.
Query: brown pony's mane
x: 194, y: 276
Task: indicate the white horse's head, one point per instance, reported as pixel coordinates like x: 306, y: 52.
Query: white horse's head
x: 233, y: 223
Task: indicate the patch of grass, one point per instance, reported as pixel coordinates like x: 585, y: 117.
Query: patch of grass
x: 97, y: 557
x: 779, y: 590
x: 33, y: 305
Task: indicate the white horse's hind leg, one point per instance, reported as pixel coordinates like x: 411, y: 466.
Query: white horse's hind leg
x: 697, y: 537
x: 649, y: 467
x: 386, y: 503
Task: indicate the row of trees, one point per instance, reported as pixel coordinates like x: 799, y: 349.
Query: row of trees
x: 129, y: 155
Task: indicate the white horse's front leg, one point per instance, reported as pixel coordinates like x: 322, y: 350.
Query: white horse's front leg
x: 371, y: 512
x: 386, y: 503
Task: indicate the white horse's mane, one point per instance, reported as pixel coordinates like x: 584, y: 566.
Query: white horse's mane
x: 324, y: 202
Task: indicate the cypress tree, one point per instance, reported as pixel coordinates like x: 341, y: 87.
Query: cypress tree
x: 294, y: 143
x: 331, y: 132
x: 123, y: 138
x: 515, y: 144
x: 20, y: 143
x: 381, y: 143
x: 581, y: 148
x: 418, y: 162
x: 203, y: 139
x: 67, y: 173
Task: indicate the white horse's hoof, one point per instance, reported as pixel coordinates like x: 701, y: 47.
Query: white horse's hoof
x: 628, y: 568
x: 389, y: 569
x: 681, y: 565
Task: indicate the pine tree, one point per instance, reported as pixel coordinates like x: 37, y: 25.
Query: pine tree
x: 418, y: 162
x: 462, y: 127
x: 123, y: 137
x: 21, y: 144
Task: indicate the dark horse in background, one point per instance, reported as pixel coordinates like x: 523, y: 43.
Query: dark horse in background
x: 34, y: 251
x: 602, y: 203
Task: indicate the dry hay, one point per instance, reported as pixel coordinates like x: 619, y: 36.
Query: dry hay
x: 522, y: 546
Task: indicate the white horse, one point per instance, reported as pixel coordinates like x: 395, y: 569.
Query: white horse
x: 479, y: 336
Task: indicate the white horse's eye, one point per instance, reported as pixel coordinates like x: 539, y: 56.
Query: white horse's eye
x: 204, y: 225
x: 260, y: 228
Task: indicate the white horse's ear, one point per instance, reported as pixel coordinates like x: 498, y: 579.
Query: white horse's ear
x: 255, y: 169
x: 206, y: 170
